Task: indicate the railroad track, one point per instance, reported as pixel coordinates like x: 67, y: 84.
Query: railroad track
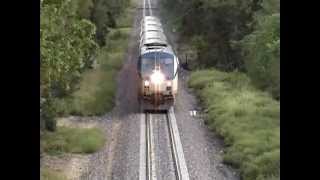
x: 176, y: 152
x: 148, y: 160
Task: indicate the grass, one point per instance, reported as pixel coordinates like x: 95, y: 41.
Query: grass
x: 96, y: 94
x: 247, y: 119
x: 72, y: 140
x: 98, y: 87
x: 49, y: 174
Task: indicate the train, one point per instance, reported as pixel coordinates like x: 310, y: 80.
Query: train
x: 157, y: 67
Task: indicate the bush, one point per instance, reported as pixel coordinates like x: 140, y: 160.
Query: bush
x: 104, y: 16
x: 84, y: 8
x: 97, y: 90
x: 73, y: 140
x: 47, y: 113
x: 96, y: 93
x: 126, y: 19
x: 247, y: 119
x: 262, y: 54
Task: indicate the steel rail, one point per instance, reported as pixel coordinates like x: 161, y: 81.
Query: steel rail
x: 181, y: 172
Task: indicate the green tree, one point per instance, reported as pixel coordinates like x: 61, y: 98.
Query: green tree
x: 103, y: 15
x: 217, y: 23
x: 66, y: 46
x: 232, y: 35
x: 261, y: 49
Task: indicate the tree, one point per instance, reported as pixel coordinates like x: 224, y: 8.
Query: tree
x: 261, y: 50
x: 66, y: 45
x: 233, y: 35
x: 103, y: 15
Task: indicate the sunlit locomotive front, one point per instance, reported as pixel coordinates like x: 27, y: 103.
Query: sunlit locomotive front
x: 157, y: 67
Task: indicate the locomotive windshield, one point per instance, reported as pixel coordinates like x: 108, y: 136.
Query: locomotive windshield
x: 150, y: 61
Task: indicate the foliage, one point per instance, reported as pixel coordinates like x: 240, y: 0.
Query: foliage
x: 66, y: 50
x: 104, y: 15
x: 216, y: 23
x: 248, y: 120
x: 73, y: 140
x: 261, y: 50
x: 84, y: 8
x: 97, y: 88
x: 232, y: 34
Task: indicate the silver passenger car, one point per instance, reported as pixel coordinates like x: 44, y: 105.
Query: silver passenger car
x: 154, y: 37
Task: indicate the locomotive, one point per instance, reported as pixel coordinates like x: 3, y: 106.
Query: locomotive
x: 157, y: 67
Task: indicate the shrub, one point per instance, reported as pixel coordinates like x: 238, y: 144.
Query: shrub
x: 262, y: 54
x: 248, y: 120
x: 97, y: 88
x: 73, y: 140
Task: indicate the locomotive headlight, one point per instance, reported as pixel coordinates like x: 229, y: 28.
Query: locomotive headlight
x: 146, y: 83
x: 157, y: 77
x: 169, y: 83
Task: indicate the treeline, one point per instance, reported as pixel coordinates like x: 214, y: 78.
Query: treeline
x: 71, y: 32
x: 104, y: 14
x: 232, y: 35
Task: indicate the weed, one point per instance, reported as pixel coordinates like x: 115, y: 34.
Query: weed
x: 247, y: 119
x: 73, y: 140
